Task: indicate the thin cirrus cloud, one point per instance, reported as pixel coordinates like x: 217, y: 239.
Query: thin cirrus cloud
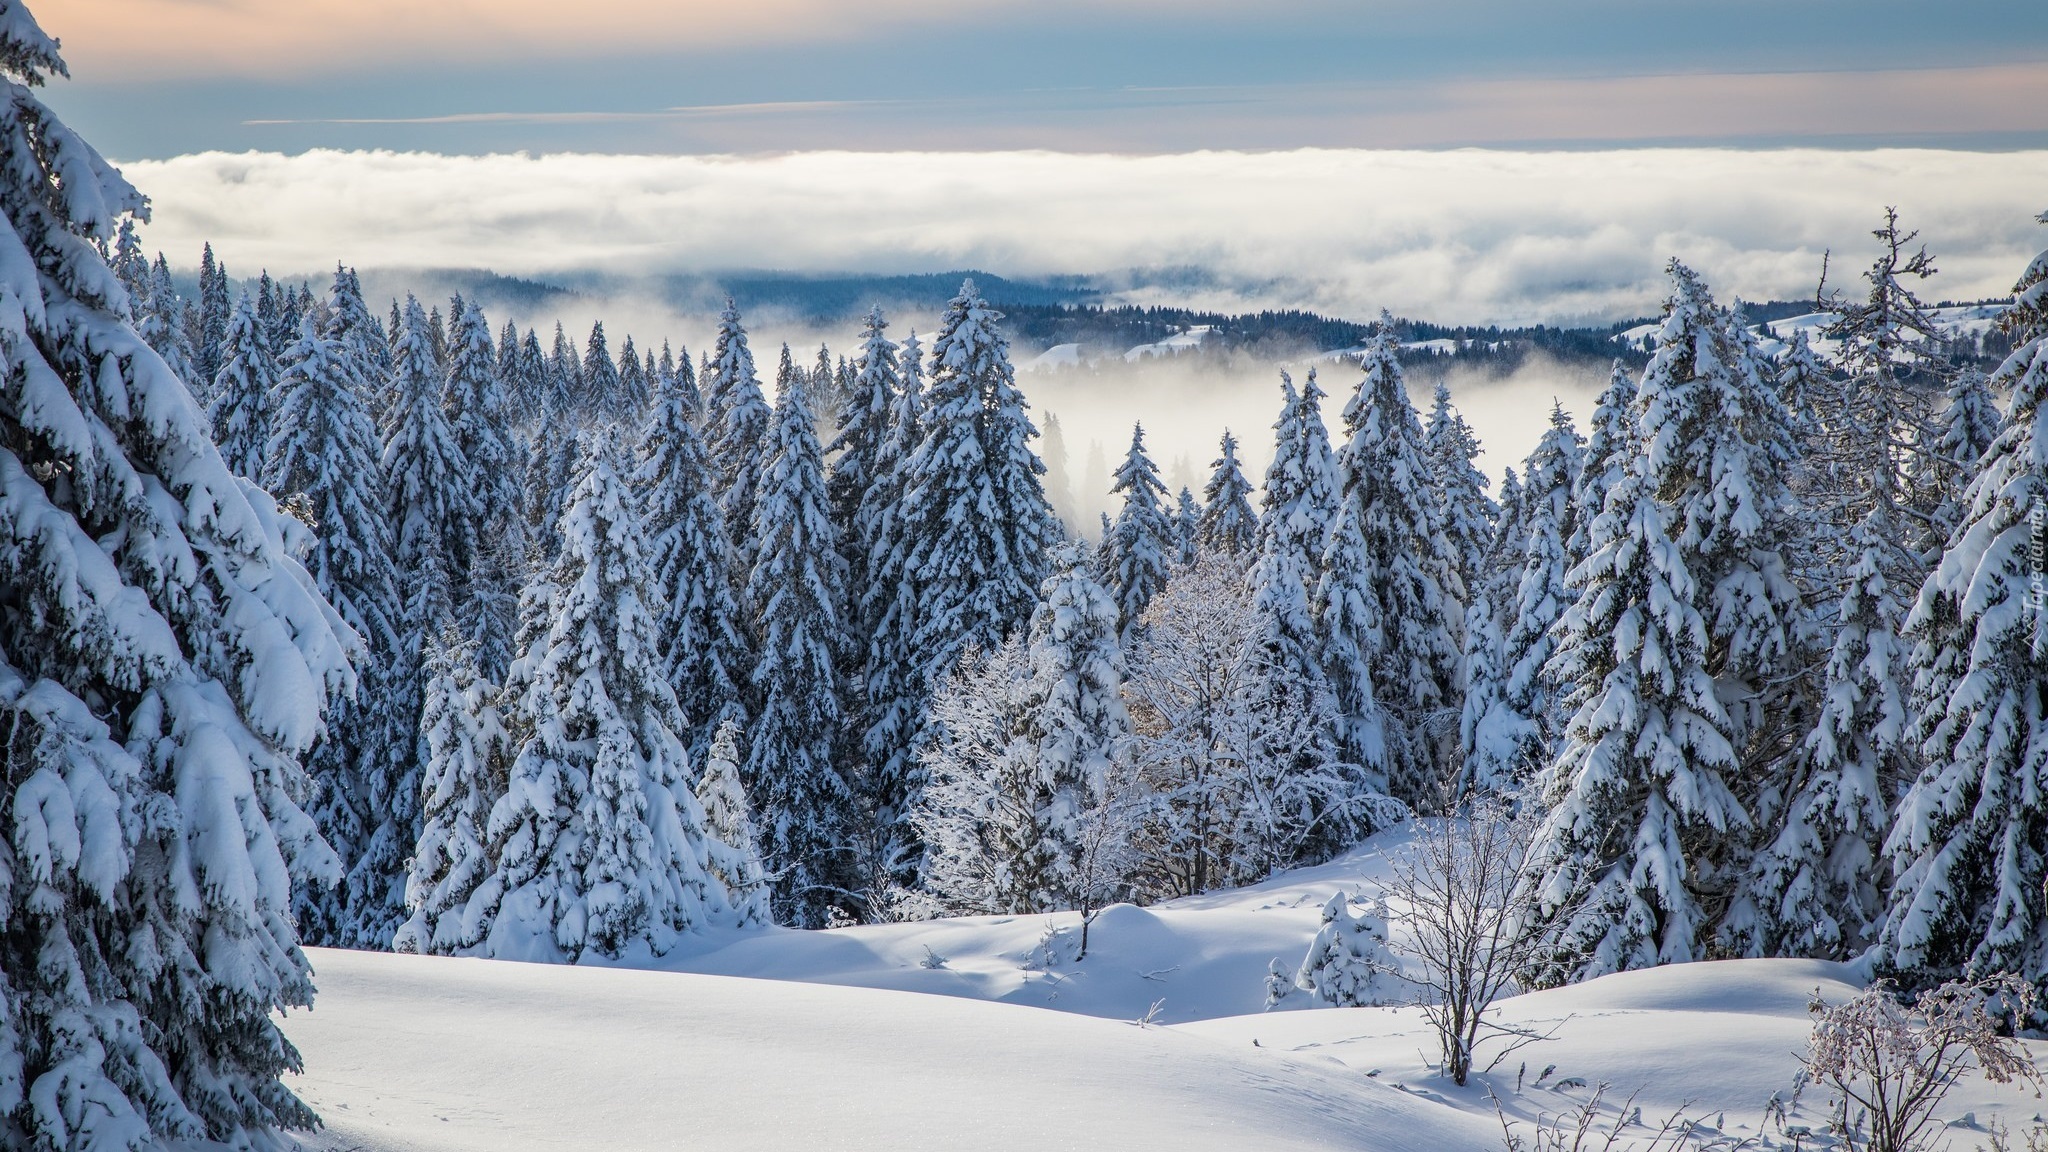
x: 1457, y: 235
x: 1931, y: 103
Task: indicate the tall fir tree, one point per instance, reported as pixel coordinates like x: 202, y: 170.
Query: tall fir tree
x: 1469, y: 515
x: 324, y: 452
x: 859, y: 491
x: 635, y: 387
x: 1684, y: 622
x: 480, y: 415
x: 240, y: 411
x: 1387, y: 480
x: 604, y: 392
x: 796, y: 592
x: 1228, y: 524
x: 161, y: 672
x: 736, y: 420
x: 1143, y: 542
x: 699, y: 626
x: 1967, y: 852
x: 885, y: 605
x: 214, y: 305
x: 598, y: 844
x: 975, y: 523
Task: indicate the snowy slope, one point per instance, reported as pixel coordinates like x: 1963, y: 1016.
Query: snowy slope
x: 407, y: 1054
x: 829, y: 1047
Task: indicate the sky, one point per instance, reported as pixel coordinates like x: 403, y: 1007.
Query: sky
x: 156, y: 78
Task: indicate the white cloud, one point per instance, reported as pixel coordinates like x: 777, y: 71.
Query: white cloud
x: 1461, y: 235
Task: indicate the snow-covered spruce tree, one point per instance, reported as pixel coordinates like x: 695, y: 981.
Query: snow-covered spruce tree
x: 1468, y: 513
x: 1941, y: 476
x: 1022, y: 750
x: 546, y: 480
x: 212, y: 314
x: 480, y: 415
x: 1611, y: 450
x: 537, y: 381
x: 598, y: 844
x: 160, y: 319
x: 461, y: 779
x: 736, y: 420
x: 1386, y: 477
x: 699, y: 625
x: 884, y: 608
x: 1814, y: 890
x: 827, y: 397
x: 635, y: 386
x: 323, y: 451
x: 1348, y: 614
x: 603, y: 394
x: 729, y: 820
x: 974, y: 525
x: 240, y: 411
x: 1534, y: 716
x: 1187, y: 523
x: 1141, y: 545
x: 1348, y: 963
x: 860, y: 492
x: 1967, y: 852
x: 1072, y: 716
x: 163, y: 668
x: 1228, y: 522
x: 350, y: 321
x: 796, y: 594
x: 430, y: 508
x: 1495, y: 736
x: 565, y: 377
x: 1684, y: 618
x: 1504, y: 552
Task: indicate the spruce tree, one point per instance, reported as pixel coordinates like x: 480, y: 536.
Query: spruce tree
x: 1469, y: 515
x: 240, y: 411
x: 324, y: 452
x: 565, y: 378
x: 1684, y: 624
x: 465, y: 753
x: 1386, y: 476
x: 635, y: 388
x: 160, y: 319
x: 604, y: 392
x: 796, y: 594
x: 1611, y: 450
x: 1967, y: 856
x: 162, y: 672
x: 598, y: 844
x: 736, y: 420
x: 886, y: 604
x: 729, y: 821
x: 1541, y: 593
x: 1143, y: 542
x: 214, y: 303
x: 859, y: 491
x: 480, y: 415
x: 699, y: 626
x: 1228, y: 523
x: 975, y: 523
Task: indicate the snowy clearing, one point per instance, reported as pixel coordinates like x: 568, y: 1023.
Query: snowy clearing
x: 828, y: 1046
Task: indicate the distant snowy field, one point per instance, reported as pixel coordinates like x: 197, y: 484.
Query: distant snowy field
x: 785, y: 1040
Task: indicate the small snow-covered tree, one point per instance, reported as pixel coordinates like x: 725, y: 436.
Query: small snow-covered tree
x: 240, y: 409
x: 796, y: 593
x: 729, y: 819
x: 1228, y: 523
x: 460, y: 779
x: 164, y: 661
x: 598, y: 844
x: 1141, y: 544
x: 1349, y: 964
x: 1967, y: 850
